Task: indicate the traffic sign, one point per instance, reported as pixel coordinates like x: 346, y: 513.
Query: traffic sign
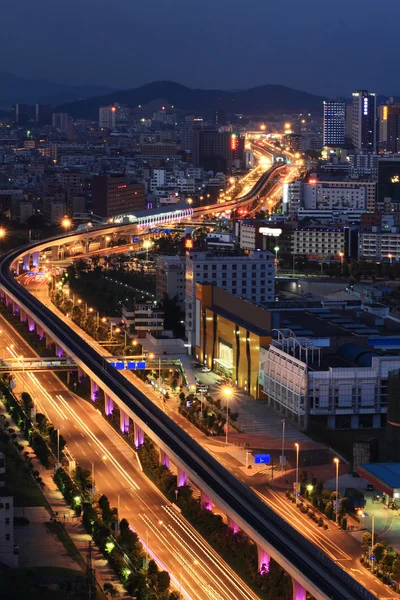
x: 262, y: 459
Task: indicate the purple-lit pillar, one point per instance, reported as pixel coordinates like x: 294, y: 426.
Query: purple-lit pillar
x: 164, y: 458
x: 31, y: 324
x: 59, y: 351
x: 22, y: 316
x: 123, y: 421
x: 94, y: 390
x: 138, y: 435
x: 26, y: 262
x: 182, y: 477
x: 263, y: 560
x: 206, y: 501
x: 232, y: 525
x: 35, y: 259
x: 299, y: 591
x: 40, y: 332
x: 8, y: 300
x: 109, y: 404
x: 15, y: 308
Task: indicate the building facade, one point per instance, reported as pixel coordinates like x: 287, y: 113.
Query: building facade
x: 334, y: 125
x: 364, y: 120
x: 249, y: 276
x: 170, y: 278
x: 113, y: 195
x: 8, y: 550
x: 107, y: 117
x: 378, y: 245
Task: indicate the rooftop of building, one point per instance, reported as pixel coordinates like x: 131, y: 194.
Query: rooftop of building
x: 384, y: 476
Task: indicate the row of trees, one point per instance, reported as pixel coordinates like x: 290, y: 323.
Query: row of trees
x: 210, y: 421
x: 124, y: 552
x: 236, y: 548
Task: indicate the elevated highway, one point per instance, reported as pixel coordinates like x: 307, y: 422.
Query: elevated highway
x: 310, y: 568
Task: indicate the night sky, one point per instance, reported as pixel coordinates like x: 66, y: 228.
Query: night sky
x: 323, y: 47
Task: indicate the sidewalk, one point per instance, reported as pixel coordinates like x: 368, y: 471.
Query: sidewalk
x: 65, y: 515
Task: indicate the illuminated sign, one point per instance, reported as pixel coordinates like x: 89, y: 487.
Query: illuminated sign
x: 189, y: 243
x: 385, y: 113
x: 365, y: 102
x: 270, y: 231
x: 234, y: 141
x: 121, y: 187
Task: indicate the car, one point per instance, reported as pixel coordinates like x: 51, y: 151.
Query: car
x: 205, y: 370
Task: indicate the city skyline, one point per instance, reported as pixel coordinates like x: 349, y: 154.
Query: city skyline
x: 315, y: 50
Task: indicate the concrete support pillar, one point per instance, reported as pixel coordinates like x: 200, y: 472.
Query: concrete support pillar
x: 87, y: 247
x: 15, y: 267
x: 164, y: 458
x: 299, y: 592
x: 109, y: 404
x: 35, y: 259
x: 49, y: 340
x: 8, y: 300
x: 68, y: 377
x: 263, y: 560
x: 22, y: 316
x: 94, y: 390
x: 26, y: 262
x: 40, y: 332
x: 206, y: 501
x: 59, y: 351
x: 138, y: 435
x: 54, y: 252
x: 103, y: 243
x: 123, y: 421
x: 31, y: 325
x: 15, y: 308
x: 182, y: 477
x: 81, y: 374
x: 2, y: 294
x: 232, y: 525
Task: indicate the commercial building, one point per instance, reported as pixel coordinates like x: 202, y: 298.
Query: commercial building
x: 231, y: 333
x: 43, y: 114
x: 334, y: 126
x: 393, y: 128
x: 249, y: 276
x: 325, y: 242
x: 364, y: 164
x: 389, y: 178
x: 326, y: 365
x: 379, y: 245
x: 60, y: 121
x: 170, y: 278
x: 364, y: 120
x: 9, y: 552
x: 141, y: 318
x: 257, y: 235
x: 113, y: 195
x: 213, y: 150
x: 107, y: 117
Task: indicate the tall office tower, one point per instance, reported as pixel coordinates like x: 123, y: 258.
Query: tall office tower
x: 114, y: 195
x: 107, y: 117
x: 43, y: 114
x: 364, y: 120
x: 21, y: 113
x: 60, y: 121
x: 393, y: 128
x: 334, y: 123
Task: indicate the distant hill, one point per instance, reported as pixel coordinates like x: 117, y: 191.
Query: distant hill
x: 254, y: 101
x: 14, y: 89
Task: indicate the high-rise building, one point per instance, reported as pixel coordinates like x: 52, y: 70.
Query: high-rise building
x: 43, y: 113
x: 250, y: 276
x: 364, y: 120
x: 21, y: 113
x: 114, y: 195
x: 383, y: 124
x: 214, y: 150
x: 334, y: 123
x: 393, y: 128
x: 60, y: 121
x: 107, y: 117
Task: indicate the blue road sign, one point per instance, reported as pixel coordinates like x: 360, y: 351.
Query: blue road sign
x: 262, y: 459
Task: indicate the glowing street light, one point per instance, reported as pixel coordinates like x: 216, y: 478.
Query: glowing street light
x: 390, y: 257
x: 2, y: 232
x: 147, y: 244
x: 336, y: 461
x: 341, y: 255
x: 228, y: 393
x: 66, y: 223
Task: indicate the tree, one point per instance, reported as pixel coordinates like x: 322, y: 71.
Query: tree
x: 366, y: 541
x: 379, y: 551
x: 164, y: 581
x: 109, y: 590
x: 396, y: 568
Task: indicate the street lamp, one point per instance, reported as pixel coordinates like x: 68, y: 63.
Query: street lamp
x: 336, y: 461
x: 66, y: 223
x: 227, y: 392
x: 276, y: 255
x: 297, y: 446
x: 147, y: 244
x: 341, y: 255
x: 364, y: 514
x: 390, y: 257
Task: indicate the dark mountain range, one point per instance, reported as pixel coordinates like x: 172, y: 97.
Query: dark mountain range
x: 14, y: 89
x: 254, y: 101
